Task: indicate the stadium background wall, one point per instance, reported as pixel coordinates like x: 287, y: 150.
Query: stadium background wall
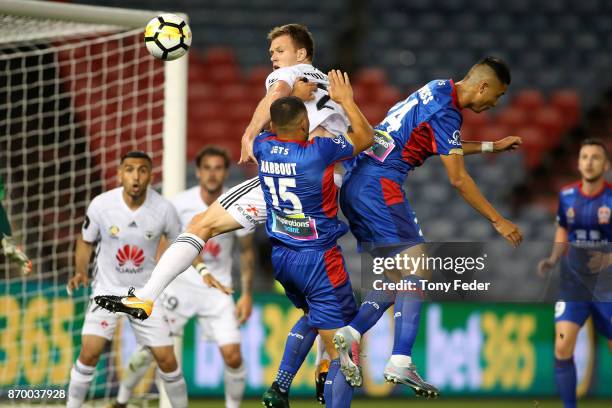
x: 505, y: 349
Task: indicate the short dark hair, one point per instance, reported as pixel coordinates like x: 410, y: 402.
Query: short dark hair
x: 499, y: 66
x: 212, y: 150
x: 136, y: 154
x: 593, y: 141
x: 284, y: 111
x: 301, y: 37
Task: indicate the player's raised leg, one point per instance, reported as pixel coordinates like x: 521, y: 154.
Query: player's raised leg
x: 240, y: 207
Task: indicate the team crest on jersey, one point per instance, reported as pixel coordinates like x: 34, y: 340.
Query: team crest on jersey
x: 603, y: 214
x: 149, y: 235
x: 113, y: 231
x: 570, y: 214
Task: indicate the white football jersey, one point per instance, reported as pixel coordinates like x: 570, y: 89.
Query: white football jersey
x: 322, y: 111
x: 127, y: 240
x: 217, y: 253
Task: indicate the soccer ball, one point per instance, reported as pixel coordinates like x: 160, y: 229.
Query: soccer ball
x: 167, y: 37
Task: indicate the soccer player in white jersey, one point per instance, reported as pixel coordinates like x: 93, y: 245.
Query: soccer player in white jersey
x: 243, y: 206
x: 187, y: 296
x: 126, y: 224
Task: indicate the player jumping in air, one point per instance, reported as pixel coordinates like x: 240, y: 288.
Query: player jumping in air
x: 301, y: 200
x: 372, y: 198
x: 582, y: 244
x: 127, y: 224
x: 218, y: 316
x: 243, y: 206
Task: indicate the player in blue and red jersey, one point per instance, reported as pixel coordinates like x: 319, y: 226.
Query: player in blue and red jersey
x: 582, y: 243
x: 297, y: 177
x: 372, y: 198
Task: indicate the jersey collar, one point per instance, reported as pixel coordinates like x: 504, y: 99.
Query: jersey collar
x: 595, y: 194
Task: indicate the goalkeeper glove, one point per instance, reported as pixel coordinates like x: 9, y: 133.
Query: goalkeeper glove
x: 16, y: 254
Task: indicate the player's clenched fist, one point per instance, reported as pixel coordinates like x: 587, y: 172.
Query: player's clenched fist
x: 509, y: 231
x: 340, y: 89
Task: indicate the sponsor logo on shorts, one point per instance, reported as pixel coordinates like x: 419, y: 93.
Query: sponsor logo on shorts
x: 559, y: 308
x: 246, y: 215
x: 86, y: 222
x: 252, y: 209
x: 130, y: 259
x: 149, y: 235
x: 455, y: 140
x: 104, y: 324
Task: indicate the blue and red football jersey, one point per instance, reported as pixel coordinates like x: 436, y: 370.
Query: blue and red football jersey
x: 586, y: 218
x: 427, y: 123
x: 297, y: 179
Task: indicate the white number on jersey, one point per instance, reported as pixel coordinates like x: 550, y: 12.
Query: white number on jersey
x: 394, y: 120
x: 285, y: 195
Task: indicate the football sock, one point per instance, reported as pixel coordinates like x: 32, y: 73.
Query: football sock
x: 176, y: 259
x: 338, y: 392
x: 407, y: 313
x: 175, y: 386
x: 134, y: 371
x: 80, y: 379
x: 565, y: 377
x: 372, y: 308
x: 299, y: 342
x: 235, y: 381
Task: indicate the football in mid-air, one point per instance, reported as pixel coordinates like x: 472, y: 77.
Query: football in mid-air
x: 167, y: 37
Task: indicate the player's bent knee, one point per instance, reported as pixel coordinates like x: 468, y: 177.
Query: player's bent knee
x: 89, y: 359
x: 233, y: 359
x: 199, y: 226
x: 166, y: 360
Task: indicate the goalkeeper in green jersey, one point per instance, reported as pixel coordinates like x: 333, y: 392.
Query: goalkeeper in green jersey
x: 11, y: 251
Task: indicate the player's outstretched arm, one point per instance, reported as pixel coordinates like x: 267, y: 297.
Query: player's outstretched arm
x: 465, y: 185
x: 506, y: 144
x: 340, y: 91
x: 82, y: 257
x: 558, y: 249
x: 261, y: 118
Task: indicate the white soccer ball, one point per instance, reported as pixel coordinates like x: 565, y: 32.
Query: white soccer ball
x: 167, y: 37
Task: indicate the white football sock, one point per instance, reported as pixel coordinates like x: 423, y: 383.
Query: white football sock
x: 134, y: 371
x: 175, y: 260
x: 400, y: 360
x: 235, y: 383
x: 175, y: 386
x: 80, y: 379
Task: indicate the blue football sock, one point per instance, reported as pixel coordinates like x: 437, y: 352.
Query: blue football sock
x: 371, y: 310
x: 299, y: 342
x: 565, y: 377
x: 338, y: 392
x: 407, y: 314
